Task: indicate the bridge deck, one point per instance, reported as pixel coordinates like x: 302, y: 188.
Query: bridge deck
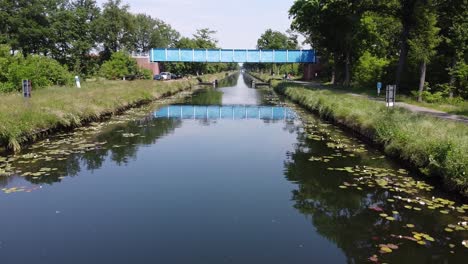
x: 232, y: 55
x: 225, y: 112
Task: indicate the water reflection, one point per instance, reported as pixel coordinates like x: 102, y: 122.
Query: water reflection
x: 217, y: 190
x: 354, y: 219
x: 225, y: 112
x: 87, y: 149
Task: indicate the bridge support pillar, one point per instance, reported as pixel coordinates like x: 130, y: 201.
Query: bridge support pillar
x: 311, y: 71
x: 143, y: 62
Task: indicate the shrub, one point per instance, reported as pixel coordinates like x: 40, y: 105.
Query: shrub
x: 41, y: 70
x: 119, y: 66
x: 145, y: 74
x: 369, y: 69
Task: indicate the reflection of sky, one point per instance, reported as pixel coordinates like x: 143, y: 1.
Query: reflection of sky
x: 238, y: 23
x: 240, y: 94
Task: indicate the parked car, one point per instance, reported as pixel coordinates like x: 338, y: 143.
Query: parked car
x: 165, y: 75
x: 176, y: 76
x: 157, y: 77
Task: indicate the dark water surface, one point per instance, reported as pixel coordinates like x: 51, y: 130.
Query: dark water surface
x: 141, y: 189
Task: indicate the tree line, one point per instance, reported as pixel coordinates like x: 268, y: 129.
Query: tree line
x: 276, y: 40
x: 419, y: 45
x: 79, y: 36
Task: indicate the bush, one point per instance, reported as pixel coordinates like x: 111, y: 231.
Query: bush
x: 369, y: 69
x: 146, y: 74
x: 41, y: 70
x: 119, y: 66
x: 460, y: 72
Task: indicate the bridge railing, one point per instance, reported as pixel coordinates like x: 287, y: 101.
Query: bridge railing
x: 232, y: 55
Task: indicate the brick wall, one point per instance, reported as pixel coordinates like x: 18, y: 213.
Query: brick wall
x: 144, y: 63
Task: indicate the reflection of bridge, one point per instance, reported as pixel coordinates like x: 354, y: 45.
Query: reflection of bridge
x: 225, y: 112
x: 232, y: 55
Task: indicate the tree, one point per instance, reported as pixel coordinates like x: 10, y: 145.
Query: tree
x: 164, y: 36
x: 26, y: 25
x: 204, y: 38
x: 424, y: 39
x: 144, y: 26
x: 74, y: 34
x: 115, y: 28
x: 276, y: 40
x: 271, y: 39
x: 153, y: 33
x: 454, y: 46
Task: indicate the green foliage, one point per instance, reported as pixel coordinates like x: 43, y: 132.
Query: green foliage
x: 369, y: 69
x: 276, y: 40
x: 42, y: 71
x: 152, y: 33
x: 437, y: 97
x: 114, y: 27
x: 424, y: 38
x: 74, y: 35
x: 145, y: 74
x: 460, y: 72
x: 203, y: 39
x: 119, y: 66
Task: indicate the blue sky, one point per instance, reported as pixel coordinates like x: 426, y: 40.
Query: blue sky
x: 239, y: 23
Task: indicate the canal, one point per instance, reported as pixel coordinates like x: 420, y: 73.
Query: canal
x: 223, y: 175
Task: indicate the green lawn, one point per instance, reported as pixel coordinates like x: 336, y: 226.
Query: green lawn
x: 456, y: 108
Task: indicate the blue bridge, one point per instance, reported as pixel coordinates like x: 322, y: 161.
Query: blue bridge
x: 225, y: 112
x: 232, y: 55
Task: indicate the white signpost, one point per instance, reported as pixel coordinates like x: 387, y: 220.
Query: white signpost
x: 77, y: 80
x: 27, y: 88
x: 390, y: 95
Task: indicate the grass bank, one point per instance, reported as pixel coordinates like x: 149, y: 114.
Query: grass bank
x: 49, y: 109
x: 456, y: 106
x: 438, y: 148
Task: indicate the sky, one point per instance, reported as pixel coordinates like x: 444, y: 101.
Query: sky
x: 239, y: 23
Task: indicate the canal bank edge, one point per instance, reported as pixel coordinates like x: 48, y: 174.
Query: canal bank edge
x: 56, y: 109
x: 436, y: 148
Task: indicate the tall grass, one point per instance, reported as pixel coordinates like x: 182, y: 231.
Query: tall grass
x: 23, y: 119
x: 438, y: 148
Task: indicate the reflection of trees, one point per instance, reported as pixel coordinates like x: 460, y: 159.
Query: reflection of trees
x: 206, y: 97
x: 229, y: 81
x: 212, y: 96
x: 343, y: 216
x: 118, y: 148
x: 247, y: 80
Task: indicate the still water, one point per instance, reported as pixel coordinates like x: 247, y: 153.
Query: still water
x: 220, y: 187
